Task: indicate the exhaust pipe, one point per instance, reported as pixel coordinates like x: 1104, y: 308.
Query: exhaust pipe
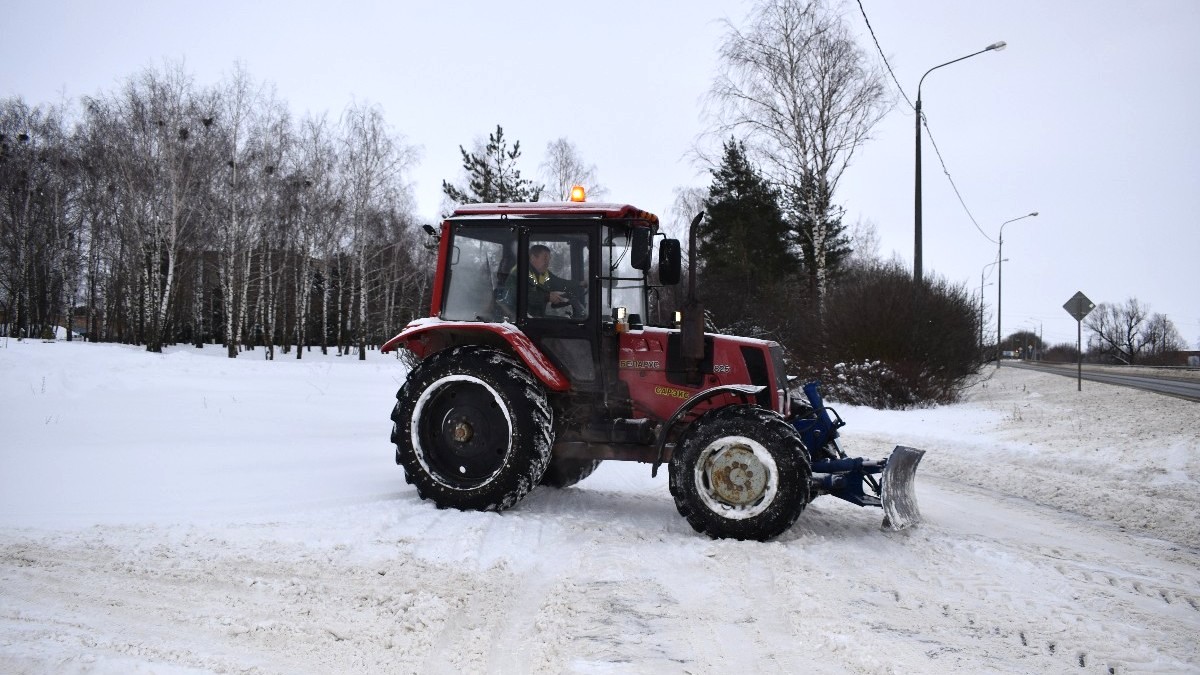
x: 692, y: 329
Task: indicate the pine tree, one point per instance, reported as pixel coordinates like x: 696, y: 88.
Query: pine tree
x: 745, y: 248
x: 493, y: 175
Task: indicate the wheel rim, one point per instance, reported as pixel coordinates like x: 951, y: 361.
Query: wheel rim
x: 736, y: 477
x: 461, y: 431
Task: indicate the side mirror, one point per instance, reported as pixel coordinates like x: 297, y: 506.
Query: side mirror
x: 669, y: 262
x: 639, y: 256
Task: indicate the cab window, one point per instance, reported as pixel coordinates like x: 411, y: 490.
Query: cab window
x: 556, y: 281
x: 481, y: 260
x: 623, y: 284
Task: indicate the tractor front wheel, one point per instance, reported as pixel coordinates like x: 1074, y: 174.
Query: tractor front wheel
x: 472, y: 429
x: 740, y: 472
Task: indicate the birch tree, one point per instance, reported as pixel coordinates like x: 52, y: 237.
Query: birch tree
x: 373, y: 162
x: 273, y: 131
x: 564, y: 168
x: 795, y: 87
x: 236, y: 219
x: 164, y: 167
x: 99, y: 199
x: 317, y: 208
x: 23, y: 180
x: 203, y: 214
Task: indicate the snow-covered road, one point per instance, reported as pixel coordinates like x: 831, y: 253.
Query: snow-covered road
x: 187, y: 513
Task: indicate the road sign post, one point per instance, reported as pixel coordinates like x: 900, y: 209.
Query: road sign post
x: 1079, y: 306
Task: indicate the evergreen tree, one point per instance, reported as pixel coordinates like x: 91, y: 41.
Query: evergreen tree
x: 493, y: 175
x: 745, y: 246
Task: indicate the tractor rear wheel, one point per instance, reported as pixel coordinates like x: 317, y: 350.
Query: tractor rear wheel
x: 740, y: 472
x: 566, y: 472
x: 472, y: 429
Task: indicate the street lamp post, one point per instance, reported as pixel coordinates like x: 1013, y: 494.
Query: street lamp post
x: 981, y: 287
x: 982, y: 272
x: 1000, y: 283
x: 1036, y: 329
x: 996, y: 46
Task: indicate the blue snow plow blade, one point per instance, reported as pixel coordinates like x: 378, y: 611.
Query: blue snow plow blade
x: 887, y: 483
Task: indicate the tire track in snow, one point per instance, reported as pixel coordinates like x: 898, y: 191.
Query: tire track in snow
x: 245, y: 610
x: 1047, y: 619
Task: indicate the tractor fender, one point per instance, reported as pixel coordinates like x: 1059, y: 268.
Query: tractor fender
x: 424, y: 337
x: 743, y: 390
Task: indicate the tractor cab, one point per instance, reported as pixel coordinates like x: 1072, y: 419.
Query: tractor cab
x: 569, y: 276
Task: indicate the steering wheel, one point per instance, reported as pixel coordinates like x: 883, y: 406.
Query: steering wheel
x: 574, y: 301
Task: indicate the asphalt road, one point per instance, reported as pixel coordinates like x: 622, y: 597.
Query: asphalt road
x: 1185, y: 389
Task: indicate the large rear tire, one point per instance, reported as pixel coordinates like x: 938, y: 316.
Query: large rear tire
x: 740, y: 472
x: 472, y: 429
x: 563, y: 473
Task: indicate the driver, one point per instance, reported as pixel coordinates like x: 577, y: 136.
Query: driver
x: 544, y: 287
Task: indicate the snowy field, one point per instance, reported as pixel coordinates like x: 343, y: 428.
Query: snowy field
x: 187, y: 513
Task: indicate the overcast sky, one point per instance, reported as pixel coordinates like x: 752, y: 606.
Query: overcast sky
x: 1091, y: 116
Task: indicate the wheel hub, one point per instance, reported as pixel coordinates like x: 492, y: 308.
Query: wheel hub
x: 737, y: 476
x: 461, y: 431
x: 458, y: 430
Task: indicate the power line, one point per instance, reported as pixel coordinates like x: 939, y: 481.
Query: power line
x: 924, y: 121
x: 882, y: 56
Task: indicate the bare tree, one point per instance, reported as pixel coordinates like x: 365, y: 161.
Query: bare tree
x: 1117, y: 328
x: 236, y: 218
x: 100, y: 200
x: 563, y: 169
x: 688, y: 201
x: 273, y: 129
x: 1162, y: 337
x: 163, y: 155
x: 373, y: 163
x: 796, y: 88
x: 178, y: 213
x: 40, y: 219
x: 317, y: 210
x: 864, y: 243
x: 1129, y: 332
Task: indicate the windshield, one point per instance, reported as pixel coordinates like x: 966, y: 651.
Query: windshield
x: 623, y: 286
x: 481, y: 260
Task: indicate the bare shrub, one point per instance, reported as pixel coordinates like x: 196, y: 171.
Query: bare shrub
x: 1061, y: 353
x: 892, y: 342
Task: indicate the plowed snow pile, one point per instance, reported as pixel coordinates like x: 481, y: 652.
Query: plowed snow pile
x: 188, y: 513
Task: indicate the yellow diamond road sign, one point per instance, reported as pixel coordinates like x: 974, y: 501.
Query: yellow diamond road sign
x: 1079, y: 306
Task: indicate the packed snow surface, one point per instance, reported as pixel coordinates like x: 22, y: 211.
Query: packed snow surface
x: 189, y: 513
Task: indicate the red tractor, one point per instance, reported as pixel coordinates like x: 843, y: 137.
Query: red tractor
x: 537, y: 363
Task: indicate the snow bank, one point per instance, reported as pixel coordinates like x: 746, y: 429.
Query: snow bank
x: 1109, y: 453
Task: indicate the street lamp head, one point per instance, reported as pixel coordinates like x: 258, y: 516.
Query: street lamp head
x: 996, y: 46
x: 1034, y: 213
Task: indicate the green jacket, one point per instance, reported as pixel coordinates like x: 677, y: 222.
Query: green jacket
x: 540, y: 287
